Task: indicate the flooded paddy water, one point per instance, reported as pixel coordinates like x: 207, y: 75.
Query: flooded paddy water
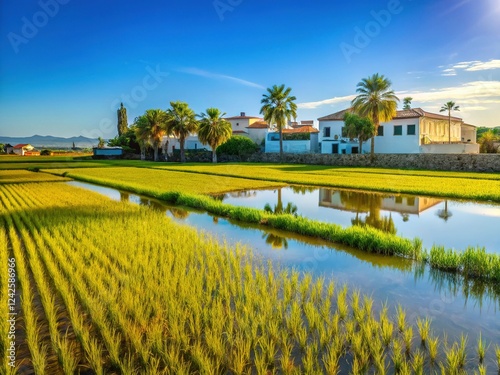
x: 455, y: 305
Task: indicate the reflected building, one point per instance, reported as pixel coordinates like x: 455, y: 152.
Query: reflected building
x: 362, y: 202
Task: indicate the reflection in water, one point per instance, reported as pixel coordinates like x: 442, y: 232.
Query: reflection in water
x: 276, y: 242
x: 444, y: 213
x: 178, y: 213
x: 290, y: 208
x: 124, y: 197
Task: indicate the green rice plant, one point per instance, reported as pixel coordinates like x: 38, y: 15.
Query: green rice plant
x: 433, y: 348
x: 481, y: 348
x: 331, y: 358
x: 342, y: 306
x: 497, y: 354
x: 443, y: 259
x: 408, y: 337
x: 417, y: 362
x: 401, y: 318
x: 462, y: 352
x: 424, y: 326
x: 397, y: 356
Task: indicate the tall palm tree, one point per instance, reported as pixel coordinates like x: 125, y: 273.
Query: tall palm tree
x: 278, y: 107
x: 407, y: 102
x: 375, y: 100
x: 181, y: 122
x: 214, y: 130
x: 151, y: 127
x: 449, y: 106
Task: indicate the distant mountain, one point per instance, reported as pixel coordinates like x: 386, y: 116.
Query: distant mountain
x: 48, y: 141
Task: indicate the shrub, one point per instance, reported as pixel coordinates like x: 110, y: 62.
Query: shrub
x: 45, y: 153
x: 239, y: 146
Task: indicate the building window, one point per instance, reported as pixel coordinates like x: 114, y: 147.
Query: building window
x: 237, y: 124
x: 380, y: 131
x: 343, y: 132
x: 410, y: 129
x: 398, y: 129
x: 326, y: 132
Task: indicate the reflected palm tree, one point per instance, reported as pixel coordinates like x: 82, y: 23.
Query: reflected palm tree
x: 303, y: 189
x: 219, y: 197
x: 276, y: 242
x: 363, y: 202
x: 290, y: 208
x: 444, y: 213
x: 178, y: 213
x: 124, y: 197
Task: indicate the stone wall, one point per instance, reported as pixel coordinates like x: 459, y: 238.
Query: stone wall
x: 437, y: 162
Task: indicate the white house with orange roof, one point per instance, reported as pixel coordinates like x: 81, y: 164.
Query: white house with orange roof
x: 240, y: 123
x: 24, y: 149
x: 410, y: 131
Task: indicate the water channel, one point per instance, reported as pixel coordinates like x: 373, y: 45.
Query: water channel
x: 451, y: 223
x: 456, y: 306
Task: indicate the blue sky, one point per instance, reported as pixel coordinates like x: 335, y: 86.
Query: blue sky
x: 65, y: 65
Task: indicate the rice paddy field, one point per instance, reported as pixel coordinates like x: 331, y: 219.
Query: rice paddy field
x: 476, y: 186
x: 105, y: 287
x: 109, y: 287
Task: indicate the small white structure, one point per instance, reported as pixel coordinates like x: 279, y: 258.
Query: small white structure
x: 410, y: 131
x: 190, y: 143
x: 297, y: 146
x: 22, y: 149
x: 257, y: 131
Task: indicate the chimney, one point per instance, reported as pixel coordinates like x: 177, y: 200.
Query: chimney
x: 242, y: 114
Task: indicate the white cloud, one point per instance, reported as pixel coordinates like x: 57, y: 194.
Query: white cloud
x: 334, y: 100
x: 472, y: 90
x: 473, y: 66
x: 449, y: 72
x: 204, y: 73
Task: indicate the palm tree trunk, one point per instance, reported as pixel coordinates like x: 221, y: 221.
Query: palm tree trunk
x: 181, y: 142
x: 360, y: 145
x: 281, y: 144
x: 143, y: 151
x: 155, y: 146
x: 165, y: 150
x: 449, y: 126
x: 214, y: 156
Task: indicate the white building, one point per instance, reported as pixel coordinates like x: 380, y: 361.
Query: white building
x: 240, y: 123
x: 303, y: 139
x: 410, y: 131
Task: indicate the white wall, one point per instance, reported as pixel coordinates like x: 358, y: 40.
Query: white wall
x: 296, y: 147
x: 257, y: 134
x: 454, y: 148
x: 239, y: 124
x: 335, y: 130
x: 396, y: 144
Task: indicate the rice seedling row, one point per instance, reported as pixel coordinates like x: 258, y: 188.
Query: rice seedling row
x: 23, y: 176
x: 472, y: 263
x: 144, y: 295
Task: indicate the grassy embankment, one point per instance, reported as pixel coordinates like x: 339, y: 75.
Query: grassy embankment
x: 188, y: 189
x: 476, y: 186
x: 114, y: 287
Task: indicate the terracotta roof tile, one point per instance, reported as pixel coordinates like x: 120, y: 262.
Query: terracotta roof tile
x: 405, y: 113
x: 258, y: 125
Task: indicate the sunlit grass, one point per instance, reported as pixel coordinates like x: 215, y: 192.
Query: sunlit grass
x: 145, y: 295
x: 21, y: 176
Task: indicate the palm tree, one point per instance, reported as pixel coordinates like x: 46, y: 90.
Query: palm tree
x: 487, y: 142
x: 151, y: 127
x: 214, y: 130
x: 181, y: 122
x: 407, y: 102
x: 358, y: 127
x: 376, y: 101
x: 278, y: 107
x: 449, y: 106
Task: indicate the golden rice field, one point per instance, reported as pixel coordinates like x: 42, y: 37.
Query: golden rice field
x: 154, y: 182
x: 116, y: 288
x: 18, y: 176
x: 445, y: 184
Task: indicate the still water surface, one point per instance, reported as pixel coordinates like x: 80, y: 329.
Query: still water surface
x: 450, y: 223
x: 454, y: 305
